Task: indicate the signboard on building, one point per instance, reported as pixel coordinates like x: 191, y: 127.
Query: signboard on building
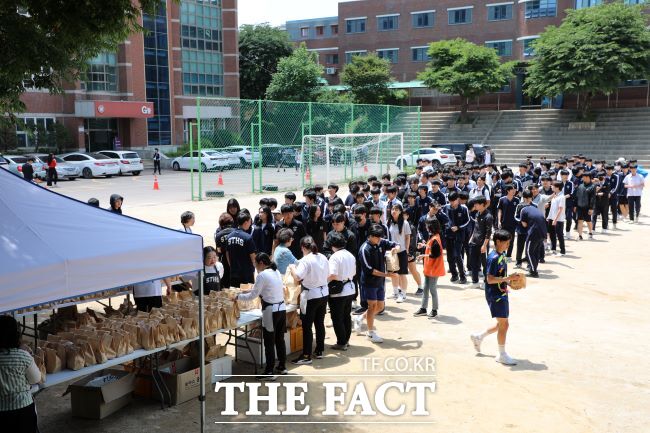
x: 114, y: 109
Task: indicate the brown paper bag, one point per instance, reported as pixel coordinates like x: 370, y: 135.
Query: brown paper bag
x: 292, y: 288
x: 132, y: 331
x: 52, y: 361
x: 146, y: 336
x: 97, y: 346
x: 107, y: 340
x: 89, y: 355
x: 39, y: 360
x: 74, y: 357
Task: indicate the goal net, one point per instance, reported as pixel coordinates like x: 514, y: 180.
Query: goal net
x: 343, y: 157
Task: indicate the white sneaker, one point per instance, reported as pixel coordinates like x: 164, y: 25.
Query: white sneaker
x: 567, y: 235
x: 401, y: 297
x: 372, y: 336
x: 476, y: 339
x: 505, y: 359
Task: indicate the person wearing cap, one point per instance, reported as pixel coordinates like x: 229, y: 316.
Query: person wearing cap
x: 634, y: 183
x: 585, y: 202
x: 601, y: 208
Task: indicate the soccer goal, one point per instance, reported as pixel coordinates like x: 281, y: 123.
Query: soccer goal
x: 337, y: 157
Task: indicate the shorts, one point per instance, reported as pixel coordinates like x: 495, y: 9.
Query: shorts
x: 402, y: 258
x: 582, y: 214
x: 499, y: 307
x: 622, y: 199
x: 374, y: 293
x: 412, y: 258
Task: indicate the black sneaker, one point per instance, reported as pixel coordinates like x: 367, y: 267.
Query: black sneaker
x: 359, y: 311
x: 318, y: 355
x: 432, y: 314
x: 542, y: 260
x: 267, y: 376
x: 420, y: 312
x: 419, y: 292
x: 463, y: 281
x: 533, y: 274
x: 302, y: 360
x: 591, y: 235
x: 339, y: 346
x: 454, y: 278
x: 580, y: 237
x: 381, y: 313
x: 282, y: 370
x: 474, y: 282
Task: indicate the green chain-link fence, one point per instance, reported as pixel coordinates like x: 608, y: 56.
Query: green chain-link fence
x: 267, y: 136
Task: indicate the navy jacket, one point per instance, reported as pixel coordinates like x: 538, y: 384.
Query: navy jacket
x: 372, y: 257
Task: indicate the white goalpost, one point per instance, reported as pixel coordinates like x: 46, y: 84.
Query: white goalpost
x: 331, y: 157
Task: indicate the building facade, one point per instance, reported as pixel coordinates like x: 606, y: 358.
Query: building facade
x: 400, y: 31
x: 144, y: 94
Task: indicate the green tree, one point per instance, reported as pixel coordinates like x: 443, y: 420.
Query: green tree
x: 460, y: 67
x: 44, y: 43
x: 334, y: 97
x: 368, y: 78
x: 260, y: 49
x: 592, y: 51
x: 297, y: 79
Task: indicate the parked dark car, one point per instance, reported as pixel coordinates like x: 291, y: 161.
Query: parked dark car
x: 459, y: 150
x: 277, y: 155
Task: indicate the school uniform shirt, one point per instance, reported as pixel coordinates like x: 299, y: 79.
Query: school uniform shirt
x: 439, y: 196
x: 458, y: 217
x: 316, y: 229
x: 614, y: 182
x: 350, y: 239
x: 423, y: 204
x: 636, y: 180
x: 389, y: 206
x: 381, y: 205
x: 434, y: 266
x: 372, y: 257
x: 497, y: 267
x: 268, y: 286
x: 482, y: 228
x: 394, y: 235
x: 240, y: 247
x: 360, y: 234
x: 477, y: 192
x: 147, y: 289
x: 313, y: 270
x: 298, y: 229
x: 508, y: 208
x: 344, y: 266
x: 263, y: 236
x: 446, y: 191
x: 536, y: 223
x: 556, y: 203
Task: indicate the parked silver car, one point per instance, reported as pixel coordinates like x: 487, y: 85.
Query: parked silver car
x: 64, y: 170
x: 15, y: 165
x: 130, y: 162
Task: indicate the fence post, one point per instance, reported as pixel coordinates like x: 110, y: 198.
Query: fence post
x: 259, y: 140
x: 259, y: 167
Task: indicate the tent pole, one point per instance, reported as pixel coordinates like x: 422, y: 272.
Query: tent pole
x: 201, y: 352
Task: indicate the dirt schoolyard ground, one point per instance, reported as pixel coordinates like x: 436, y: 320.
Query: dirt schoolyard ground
x: 579, y: 333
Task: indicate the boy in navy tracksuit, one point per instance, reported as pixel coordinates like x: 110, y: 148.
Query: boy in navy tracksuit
x: 436, y: 194
x: 458, y: 219
x: 534, y: 221
x: 614, y: 181
x: 568, y: 188
x: 506, y: 209
x: 602, y: 202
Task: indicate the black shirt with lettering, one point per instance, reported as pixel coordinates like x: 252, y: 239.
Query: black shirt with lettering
x: 240, y: 246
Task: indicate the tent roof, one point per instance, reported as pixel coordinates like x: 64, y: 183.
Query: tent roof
x: 53, y: 247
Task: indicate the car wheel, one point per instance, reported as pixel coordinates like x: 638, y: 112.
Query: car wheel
x: 136, y: 173
x: 87, y: 173
x: 72, y: 178
x: 120, y: 173
x: 204, y: 167
x: 176, y: 166
x: 108, y: 176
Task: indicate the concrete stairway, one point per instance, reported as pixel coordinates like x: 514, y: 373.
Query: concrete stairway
x: 436, y: 127
x: 619, y: 132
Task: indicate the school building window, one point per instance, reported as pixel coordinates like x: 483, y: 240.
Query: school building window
x: 350, y: 54
x: 355, y: 25
x: 334, y: 29
x: 541, y: 9
x: 102, y: 73
x: 529, y: 50
x: 304, y: 32
x: 390, y: 53
x: 581, y: 4
x: 26, y: 126
x: 503, y: 48
x: 332, y: 59
x: 500, y: 12
x: 460, y: 16
x: 420, y: 54
x: 422, y: 19
x: 387, y: 22
x: 320, y: 30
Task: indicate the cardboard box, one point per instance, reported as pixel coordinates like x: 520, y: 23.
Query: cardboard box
x: 257, y: 346
x: 182, y: 379
x: 221, y: 369
x: 296, y: 339
x: 97, y: 402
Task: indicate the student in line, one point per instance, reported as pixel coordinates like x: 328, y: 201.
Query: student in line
x: 282, y: 256
x: 480, y: 239
x: 434, y: 268
x: 399, y: 231
x: 533, y: 220
x: 556, y: 218
x: 496, y: 295
x: 342, y: 269
x: 634, y: 184
x: 264, y: 230
x: 240, y: 251
x: 187, y: 221
x: 585, y: 203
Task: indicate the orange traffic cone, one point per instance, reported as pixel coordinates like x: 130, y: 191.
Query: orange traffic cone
x: 155, y: 182
x: 365, y: 168
x: 220, y: 181
x: 307, y: 175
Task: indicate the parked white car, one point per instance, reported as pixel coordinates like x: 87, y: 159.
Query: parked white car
x: 93, y: 164
x: 244, y: 155
x: 64, y: 170
x: 210, y: 160
x: 439, y: 157
x: 15, y: 165
x: 130, y: 162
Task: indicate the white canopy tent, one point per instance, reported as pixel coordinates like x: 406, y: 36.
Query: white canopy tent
x: 53, y: 247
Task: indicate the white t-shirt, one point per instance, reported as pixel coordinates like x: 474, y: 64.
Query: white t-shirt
x: 558, y: 202
x: 313, y: 270
x: 488, y: 157
x: 638, y: 181
x: 149, y: 288
x: 470, y: 155
x: 344, y: 266
x: 400, y: 238
x: 269, y: 285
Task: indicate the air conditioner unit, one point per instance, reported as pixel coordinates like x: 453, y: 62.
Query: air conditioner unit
x: 330, y: 71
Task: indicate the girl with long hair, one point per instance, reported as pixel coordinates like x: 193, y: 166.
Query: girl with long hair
x: 399, y: 231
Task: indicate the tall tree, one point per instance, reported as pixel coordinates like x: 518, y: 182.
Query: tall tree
x: 260, y: 49
x: 298, y: 77
x: 592, y: 51
x: 44, y: 43
x: 368, y: 78
x: 460, y: 67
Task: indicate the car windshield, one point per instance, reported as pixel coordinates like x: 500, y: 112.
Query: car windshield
x: 212, y: 153
x: 98, y: 156
x: 445, y: 151
x: 131, y: 155
x: 19, y: 160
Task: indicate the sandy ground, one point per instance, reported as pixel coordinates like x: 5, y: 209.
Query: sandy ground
x: 578, y: 333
